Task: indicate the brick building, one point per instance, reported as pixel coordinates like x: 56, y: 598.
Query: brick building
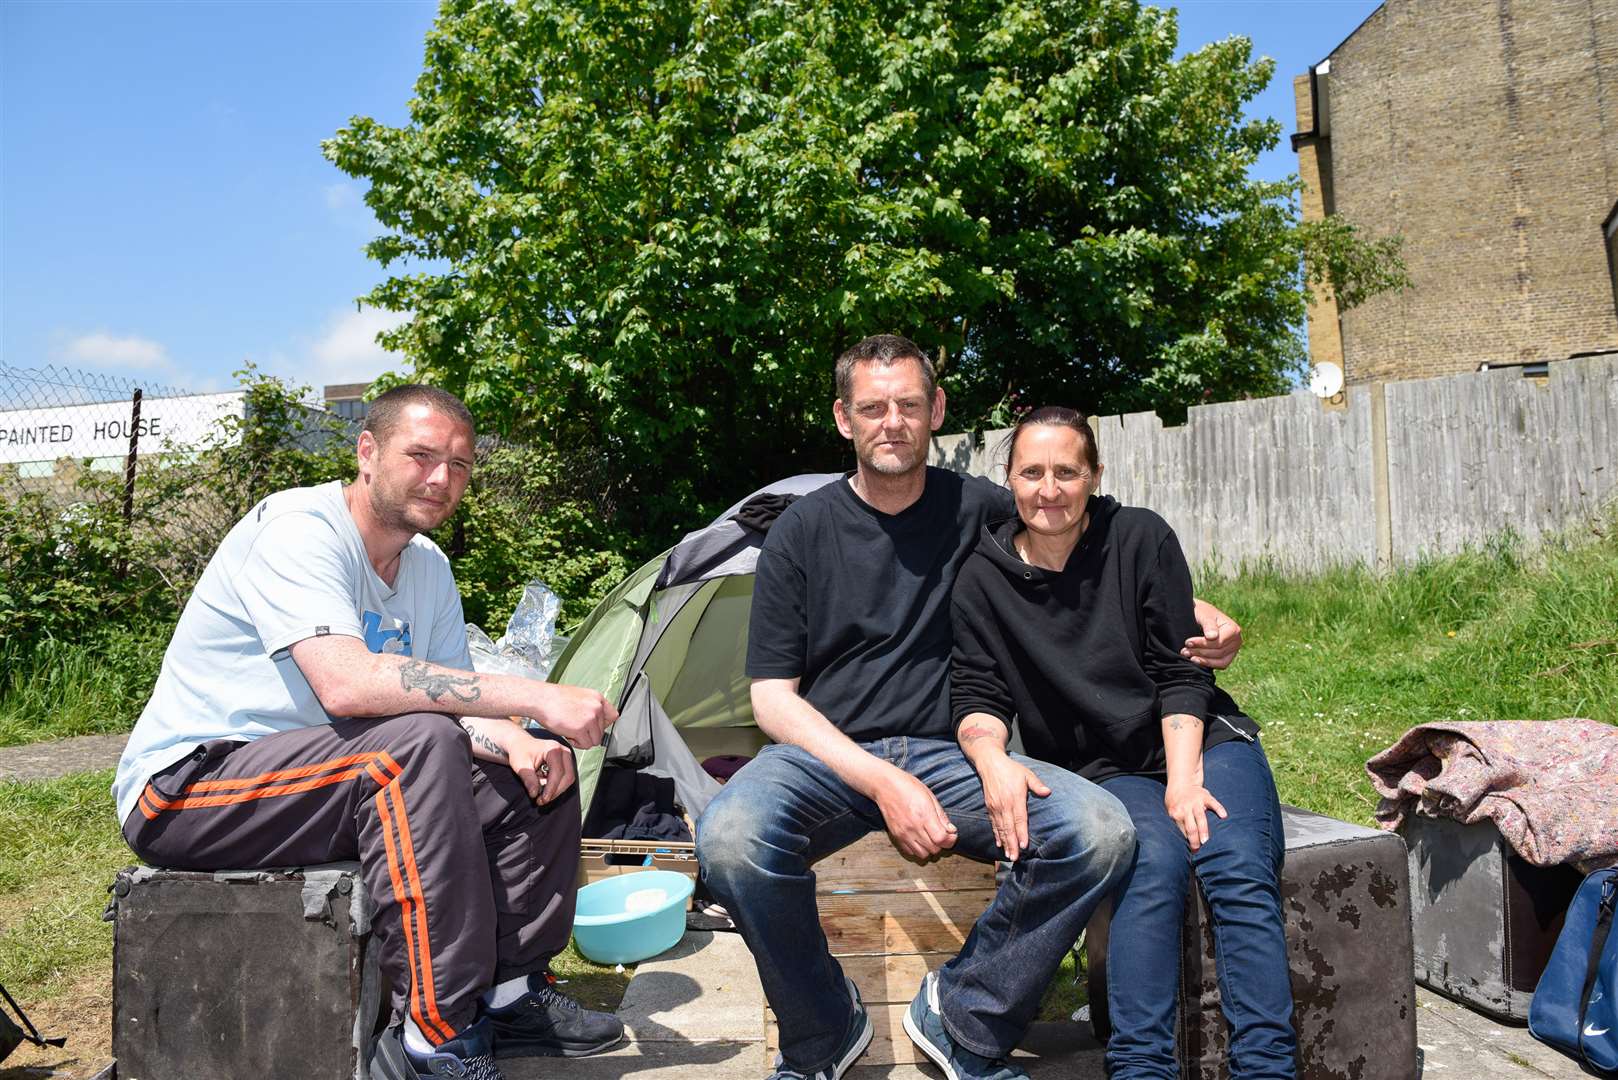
x: 1485, y: 133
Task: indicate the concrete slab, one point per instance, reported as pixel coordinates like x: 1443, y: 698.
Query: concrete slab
x: 697, y: 1011
x: 649, y: 1061
x: 705, y: 989
x: 1457, y: 1043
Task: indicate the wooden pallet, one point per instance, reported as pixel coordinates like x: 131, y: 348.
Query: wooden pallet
x: 889, y: 920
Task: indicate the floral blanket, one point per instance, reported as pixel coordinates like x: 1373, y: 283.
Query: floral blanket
x: 1549, y: 786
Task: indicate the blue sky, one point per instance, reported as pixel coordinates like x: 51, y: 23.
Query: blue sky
x: 165, y: 213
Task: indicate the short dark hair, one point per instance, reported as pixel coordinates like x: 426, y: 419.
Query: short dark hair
x: 883, y: 350
x: 383, y: 415
x: 1056, y: 416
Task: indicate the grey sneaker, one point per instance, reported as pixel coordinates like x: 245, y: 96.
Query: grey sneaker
x: 854, y: 1044
x: 924, y: 1023
x: 468, y: 1056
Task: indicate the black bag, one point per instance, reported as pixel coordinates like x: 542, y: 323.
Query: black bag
x: 12, y: 1036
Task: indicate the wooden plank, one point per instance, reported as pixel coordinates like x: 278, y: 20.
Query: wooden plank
x: 898, y: 922
x: 873, y: 864
x: 889, y: 1043
x: 885, y: 980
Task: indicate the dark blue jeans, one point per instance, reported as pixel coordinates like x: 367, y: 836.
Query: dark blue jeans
x: 1239, y: 869
x: 786, y: 809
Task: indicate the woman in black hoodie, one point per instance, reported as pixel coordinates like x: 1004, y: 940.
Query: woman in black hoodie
x: 1068, y: 622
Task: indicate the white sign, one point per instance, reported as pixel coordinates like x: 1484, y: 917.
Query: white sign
x: 102, y: 429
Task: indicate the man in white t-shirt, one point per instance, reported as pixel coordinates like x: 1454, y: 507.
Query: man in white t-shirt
x: 317, y: 703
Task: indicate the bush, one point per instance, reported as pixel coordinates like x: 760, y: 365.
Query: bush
x: 527, y: 517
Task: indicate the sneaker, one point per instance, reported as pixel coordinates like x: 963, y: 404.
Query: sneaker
x: 468, y: 1056
x: 854, y: 1044
x: 924, y: 1023
x: 547, y: 1023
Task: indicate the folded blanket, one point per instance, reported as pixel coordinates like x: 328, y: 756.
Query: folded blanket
x: 1549, y: 786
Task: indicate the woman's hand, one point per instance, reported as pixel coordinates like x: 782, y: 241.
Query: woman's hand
x: 1188, y: 803
x: 1006, y: 787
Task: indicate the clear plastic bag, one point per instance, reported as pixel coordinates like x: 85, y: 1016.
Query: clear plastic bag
x: 530, y: 644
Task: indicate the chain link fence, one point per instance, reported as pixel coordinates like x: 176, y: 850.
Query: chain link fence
x: 121, y: 482
x: 175, y: 468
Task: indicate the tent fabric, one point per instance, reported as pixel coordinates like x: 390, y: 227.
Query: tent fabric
x: 668, y: 646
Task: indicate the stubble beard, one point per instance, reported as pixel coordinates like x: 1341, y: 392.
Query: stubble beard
x: 892, y: 468
x: 394, y: 514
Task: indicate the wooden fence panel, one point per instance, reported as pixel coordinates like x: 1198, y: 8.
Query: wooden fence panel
x: 1472, y: 455
x: 1288, y: 480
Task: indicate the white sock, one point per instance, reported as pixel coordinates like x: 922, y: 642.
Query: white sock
x: 414, y: 1040
x: 503, y: 994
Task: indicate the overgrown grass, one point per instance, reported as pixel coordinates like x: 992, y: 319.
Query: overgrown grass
x: 60, y: 689
x: 1337, y: 666
x: 59, y: 850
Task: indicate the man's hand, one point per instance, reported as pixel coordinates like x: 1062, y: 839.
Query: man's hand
x: 1006, y: 787
x: 1221, y: 638
x: 578, y: 714
x: 915, y: 820
x: 545, y: 767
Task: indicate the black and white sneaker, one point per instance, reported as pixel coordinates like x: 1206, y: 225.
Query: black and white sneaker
x: 468, y: 1056
x: 547, y: 1023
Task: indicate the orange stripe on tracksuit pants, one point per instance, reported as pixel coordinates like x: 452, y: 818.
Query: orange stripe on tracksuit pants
x: 470, y: 882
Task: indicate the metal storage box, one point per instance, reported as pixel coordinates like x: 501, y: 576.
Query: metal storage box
x: 1485, y: 918
x: 243, y: 973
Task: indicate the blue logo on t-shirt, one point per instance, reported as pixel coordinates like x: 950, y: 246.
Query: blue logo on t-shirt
x: 378, y: 640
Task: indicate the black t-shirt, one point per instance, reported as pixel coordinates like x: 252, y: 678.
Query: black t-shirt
x: 854, y: 603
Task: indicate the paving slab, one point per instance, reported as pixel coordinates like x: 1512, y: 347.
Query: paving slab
x: 705, y: 989
x: 696, y: 1011
x: 58, y: 757
x: 1457, y: 1043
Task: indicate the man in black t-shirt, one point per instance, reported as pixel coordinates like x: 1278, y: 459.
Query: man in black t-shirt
x: 848, y: 649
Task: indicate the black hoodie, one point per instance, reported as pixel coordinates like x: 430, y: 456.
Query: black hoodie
x: 1086, y: 661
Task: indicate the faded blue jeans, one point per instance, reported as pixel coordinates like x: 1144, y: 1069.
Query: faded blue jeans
x: 1239, y: 869
x: 785, y: 809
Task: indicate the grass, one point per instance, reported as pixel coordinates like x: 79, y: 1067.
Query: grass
x: 1336, y: 666
x: 61, y: 689
x: 59, y: 850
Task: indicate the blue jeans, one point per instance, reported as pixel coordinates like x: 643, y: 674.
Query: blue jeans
x: 1239, y: 869
x: 785, y: 809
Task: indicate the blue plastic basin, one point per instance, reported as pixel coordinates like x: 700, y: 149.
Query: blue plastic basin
x: 608, y: 934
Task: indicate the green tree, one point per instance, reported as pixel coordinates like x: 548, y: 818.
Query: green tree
x: 645, y: 227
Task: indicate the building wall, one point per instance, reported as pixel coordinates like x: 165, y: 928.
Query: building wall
x: 1485, y: 132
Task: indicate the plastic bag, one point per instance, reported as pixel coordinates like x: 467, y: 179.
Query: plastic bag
x: 530, y: 644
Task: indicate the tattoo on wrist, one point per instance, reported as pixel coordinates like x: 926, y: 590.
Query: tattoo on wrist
x: 480, y: 739
x: 974, y: 732
x: 418, y: 675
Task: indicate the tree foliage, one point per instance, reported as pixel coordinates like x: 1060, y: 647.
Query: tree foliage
x: 646, y: 227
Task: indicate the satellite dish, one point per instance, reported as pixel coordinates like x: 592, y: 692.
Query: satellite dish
x: 1326, y: 380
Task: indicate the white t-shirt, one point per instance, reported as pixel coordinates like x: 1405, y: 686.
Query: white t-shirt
x: 294, y: 567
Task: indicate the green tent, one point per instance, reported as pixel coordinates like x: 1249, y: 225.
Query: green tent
x: 668, y: 645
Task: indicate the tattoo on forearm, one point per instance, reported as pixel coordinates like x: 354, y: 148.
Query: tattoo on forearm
x: 1178, y: 722
x: 480, y: 739
x: 974, y: 732
x: 418, y: 675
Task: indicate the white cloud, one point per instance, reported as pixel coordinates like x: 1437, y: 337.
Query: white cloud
x: 344, y: 351
x: 127, y: 353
